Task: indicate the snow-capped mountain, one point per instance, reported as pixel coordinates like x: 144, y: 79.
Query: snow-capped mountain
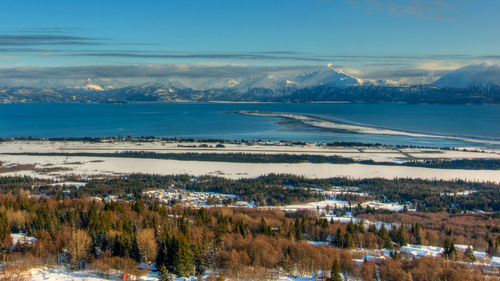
x: 328, y: 76
x: 381, y: 82
x: 265, y: 81
x: 322, y: 77
x: 476, y: 75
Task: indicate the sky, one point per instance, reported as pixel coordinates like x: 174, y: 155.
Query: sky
x: 129, y: 41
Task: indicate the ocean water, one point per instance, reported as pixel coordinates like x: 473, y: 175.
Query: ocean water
x: 213, y: 121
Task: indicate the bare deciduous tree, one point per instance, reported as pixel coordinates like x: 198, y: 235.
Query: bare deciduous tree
x: 147, y: 244
x: 78, y: 247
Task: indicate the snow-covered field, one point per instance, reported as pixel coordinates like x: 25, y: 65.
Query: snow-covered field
x: 61, y: 274
x: 93, y: 166
x: 377, y: 154
x: 334, y: 203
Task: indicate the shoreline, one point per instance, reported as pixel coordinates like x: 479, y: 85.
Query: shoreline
x: 338, y: 126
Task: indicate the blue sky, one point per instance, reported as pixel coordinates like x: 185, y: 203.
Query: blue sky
x: 378, y: 39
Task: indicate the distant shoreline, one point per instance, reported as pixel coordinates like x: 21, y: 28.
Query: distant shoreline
x: 337, y: 126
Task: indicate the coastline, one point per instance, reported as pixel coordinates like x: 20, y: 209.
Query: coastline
x: 337, y: 126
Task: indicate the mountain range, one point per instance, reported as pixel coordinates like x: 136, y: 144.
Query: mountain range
x: 478, y: 83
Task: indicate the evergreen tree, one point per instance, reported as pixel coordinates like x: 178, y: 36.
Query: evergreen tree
x: 385, y: 236
x: 347, y: 240
x: 5, y: 239
x: 199, y: 257
x: 163, y: 251
x: 265, y: 228
x: 399, y: 235
x: 351, y: 228
x: 469, y: 254
x: 335, y: 273
x: 338, y: 238
x: 299, y: 236
x: 164, y: 274
x: 449, y: 249
x: 183, y: 258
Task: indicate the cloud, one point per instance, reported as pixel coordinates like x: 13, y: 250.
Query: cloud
x: 143, y: 71
x: 220, y: 56
x: 439, y: 65
x: 46, y: 39
x: 36, y: 30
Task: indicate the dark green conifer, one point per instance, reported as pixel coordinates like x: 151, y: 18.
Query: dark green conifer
x: 335, y: 273
x: 183, y: 258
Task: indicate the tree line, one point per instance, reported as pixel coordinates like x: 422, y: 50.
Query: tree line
x: 238, y: 243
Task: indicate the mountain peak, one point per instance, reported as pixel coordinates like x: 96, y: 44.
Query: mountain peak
x: 94, y: 87
x: 329, y: 76
x: 481, y: 74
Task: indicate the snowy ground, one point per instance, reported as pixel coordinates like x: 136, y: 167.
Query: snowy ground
x: 377, y: 154
x: 92, y: 166
x: 61, y: 274
x: 333, y: 203
x: 22, y: 239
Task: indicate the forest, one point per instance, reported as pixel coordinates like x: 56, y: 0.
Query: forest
x: 279, y: 189
x: 81, y: 231
x: 236, y: 243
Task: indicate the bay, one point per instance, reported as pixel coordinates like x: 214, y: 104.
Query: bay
x: 212, y: 120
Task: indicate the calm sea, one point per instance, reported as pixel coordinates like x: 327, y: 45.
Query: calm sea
x: 213, y: 121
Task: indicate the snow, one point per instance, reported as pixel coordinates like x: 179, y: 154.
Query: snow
x: 395, y: 207
x: 94, y: 87
x: 315, y: 205
x: 422, y: 251
x: 481, y: 255
x: 69, y: 183
x: 298, y: 278
x: 332, y: 203
x: 260, y: 81
x: 60, y: 274
x: 91, y: 166
x: 321, y: 76
x: 371, y: 258
x: 22, y: 239
x: 318, y: 243
x: 482, y: 75
x: 328, y: 76
x: 462, y: 247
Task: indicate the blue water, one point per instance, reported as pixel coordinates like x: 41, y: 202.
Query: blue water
x: 212, y: 121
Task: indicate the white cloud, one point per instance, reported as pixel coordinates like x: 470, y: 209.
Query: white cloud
x: 439, y: 65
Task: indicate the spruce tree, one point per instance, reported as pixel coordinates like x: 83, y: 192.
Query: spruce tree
x: 335, y: 273
x: 347, y: 240
x: 469, y: 254
x: 299, y: 236
x: 5, y: 239
x: 449, y: 250
x: 164, y: 275
x: 183, y: 259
